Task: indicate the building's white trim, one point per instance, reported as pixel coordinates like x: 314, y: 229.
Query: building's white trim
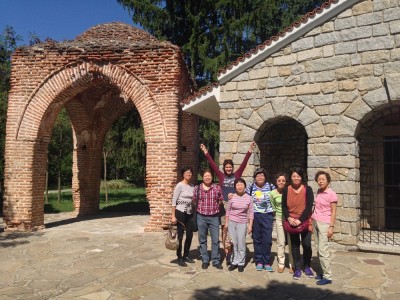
x: 206, y: 105
x: 318, y: 19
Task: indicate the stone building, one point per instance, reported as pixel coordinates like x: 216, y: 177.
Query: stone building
x: 98, y: 77
x: 323, y: 94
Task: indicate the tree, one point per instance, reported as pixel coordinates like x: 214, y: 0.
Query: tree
x: 212, y: 33
x: 8, y: 43
x: 125, y: 149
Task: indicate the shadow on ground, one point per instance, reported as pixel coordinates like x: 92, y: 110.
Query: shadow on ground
x: 274, y: 290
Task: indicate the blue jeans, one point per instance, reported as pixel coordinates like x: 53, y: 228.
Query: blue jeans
x: 205, y: 224
x: 262, y: 237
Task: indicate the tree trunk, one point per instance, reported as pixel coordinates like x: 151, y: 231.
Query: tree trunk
x: 105, y: 175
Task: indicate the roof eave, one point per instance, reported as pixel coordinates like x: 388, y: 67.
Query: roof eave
x: 206, y: 106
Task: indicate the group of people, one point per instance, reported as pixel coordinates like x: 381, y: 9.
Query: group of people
x: 242, y: 209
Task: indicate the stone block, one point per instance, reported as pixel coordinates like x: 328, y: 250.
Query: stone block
x: 286, y: 91
x: 279, y: 106
x: 354, y: 72
x: 297, y: 69
x: 346, y: 127
x: 285, y: 60
x: 318, y: 161
x: 327, y: 27
x: 331, y: 63
x: 227, y: 125
x: 303, y: 44
x: 347, y: 85
x: 341, y: 161
x: 375, y: 57
x: 255, y: 121
x: 345, y: 97
x: 347, y: 214
x: 227, y: 147
x: 356, y: 33
x: 230, y: 86
x: 384, y: 4
x: 380, y: 29
x: 241, y: 77
x: 338, y: 108
x: 247, y: 95
x: 247, y: 85
x: 315, y: 130
x: 293, y: 108
x: 307, y: 89
x: 293, y: 80
x: 339, y: 149
x: 310, y: 54
x: 230, y: 136
x: 328, y: 51
x: 369, y: 19
x: 284, y: 71
x: 327, y: 39
x: 391, y: 14
x: 330, y: 129
x: 345, y: 23
x: 345, y: 48
x: 322, y: 110
x: 378, y: 43
x: 322, y: 99
x: 376, y: 98
x: 246, y: 113
x: 369, y: 83
x: 258, y: 73
x: 357, y: 110
x: 364, y: 7
x: 329, y: 87
x: 275, y: 82
x: 247, y: 135
x: 351, y: 201
x: 307, y: 116
x: 391, y: 67
x: 393, y: 86
x: 229, y: 96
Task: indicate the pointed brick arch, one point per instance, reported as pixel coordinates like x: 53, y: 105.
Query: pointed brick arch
x: 56, y: 90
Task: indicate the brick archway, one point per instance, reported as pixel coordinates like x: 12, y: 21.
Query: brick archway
x: 95, y: 91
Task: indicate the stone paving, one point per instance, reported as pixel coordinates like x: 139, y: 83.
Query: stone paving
x: 111, y: 257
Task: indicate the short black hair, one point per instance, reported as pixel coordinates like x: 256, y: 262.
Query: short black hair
x: 207, y: 171
x: 184, y: 169
x: 239, y: 180
x: 299, y: 171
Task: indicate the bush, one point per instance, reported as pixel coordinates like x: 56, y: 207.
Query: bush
x: 117, y: 184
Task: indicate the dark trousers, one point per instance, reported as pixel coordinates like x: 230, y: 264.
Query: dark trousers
x: 307, y: 251
x: 184, y: 222
x: 262, y: 237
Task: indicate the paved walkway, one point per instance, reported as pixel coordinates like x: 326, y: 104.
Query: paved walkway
x: 111, y: 257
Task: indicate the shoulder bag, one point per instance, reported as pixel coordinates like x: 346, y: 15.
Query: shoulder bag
x: 171, y: 241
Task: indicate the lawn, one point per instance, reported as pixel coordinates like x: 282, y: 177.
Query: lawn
x: 132, y: 200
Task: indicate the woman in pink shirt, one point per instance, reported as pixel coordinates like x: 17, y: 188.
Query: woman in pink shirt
x: 323, y: 220
x: 239, y: 219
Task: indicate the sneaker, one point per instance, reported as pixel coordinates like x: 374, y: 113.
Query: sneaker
x: 268, y: 268
x: 297, y: 274
x: 259, y: 267
x: 324, y: 281
x: 204, y: 266
x: 319, y: 276
x: 218, y: 266
x: 241, y: 268
x: 228, y: 262
x: 308, y: 272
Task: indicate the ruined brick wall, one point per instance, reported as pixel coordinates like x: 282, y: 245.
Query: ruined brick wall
x: 98, y: 77
x: 331, y: 81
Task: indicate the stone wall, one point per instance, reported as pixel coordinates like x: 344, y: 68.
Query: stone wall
x: 332, y: 80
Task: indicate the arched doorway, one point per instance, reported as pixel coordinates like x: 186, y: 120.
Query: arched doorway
x: 283, y: 145
x: 379, y: 148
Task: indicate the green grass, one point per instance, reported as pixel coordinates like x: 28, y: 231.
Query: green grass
x: 131, y: 200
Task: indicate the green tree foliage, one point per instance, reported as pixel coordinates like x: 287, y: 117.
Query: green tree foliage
x: 213, y: 33
x: 8, y: 43
x: 126, y: 149
x: 60, y: 151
